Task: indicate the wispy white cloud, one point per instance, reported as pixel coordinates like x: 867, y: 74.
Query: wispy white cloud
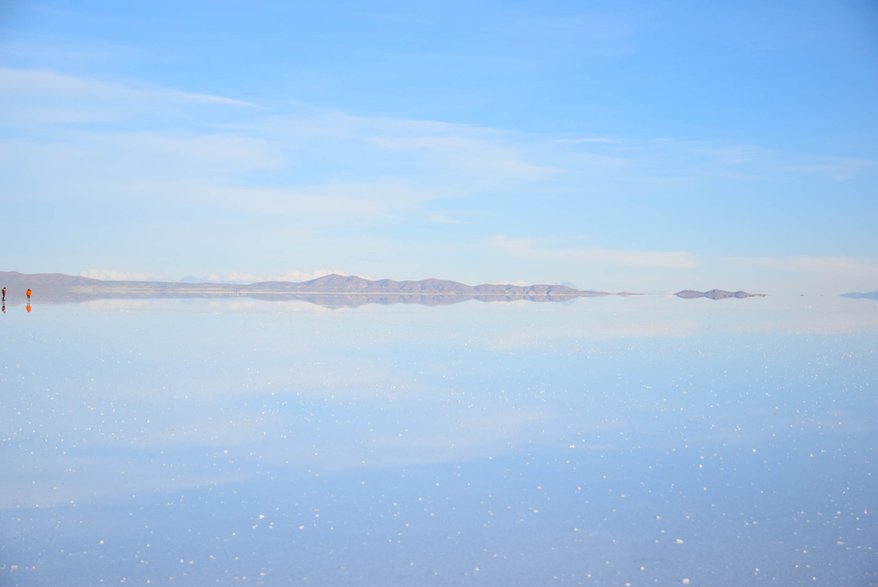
x: 134, y: 157
x: 454, y: 217
x: 489, y: 159
x: 307, y: 275
x: 40, y: 97
x: 588, y: 140
x: 669, y: 159
x: 458, y: 157
x: 248, y: 277
x: 112, y: 275
x: 839, y: 169
x: 825, y: 274
x: 308, y: 208
x: 534, y: 249
x: 45, y: 83
x: 807, y: 264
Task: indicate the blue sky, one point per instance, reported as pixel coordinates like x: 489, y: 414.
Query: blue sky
x: 611, y: 145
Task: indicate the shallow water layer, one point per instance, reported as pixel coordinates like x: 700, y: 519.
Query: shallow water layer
x: 605, y: 441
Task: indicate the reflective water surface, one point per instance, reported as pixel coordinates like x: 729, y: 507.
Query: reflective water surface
x: 606, y: 441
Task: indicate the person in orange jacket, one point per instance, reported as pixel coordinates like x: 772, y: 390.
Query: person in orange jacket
x: 28, y: 293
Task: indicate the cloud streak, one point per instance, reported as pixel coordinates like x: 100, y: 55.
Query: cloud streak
x: 111, y: 275
x: 31, y: 97
x: 529, y: 248
x: 829, y: 274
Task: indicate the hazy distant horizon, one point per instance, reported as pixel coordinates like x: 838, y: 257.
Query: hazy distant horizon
x: 298, y: 279
x: 240, y: 279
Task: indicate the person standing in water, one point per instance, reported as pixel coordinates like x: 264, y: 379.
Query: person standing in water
x: 28, y: 293
x: 4, y: 294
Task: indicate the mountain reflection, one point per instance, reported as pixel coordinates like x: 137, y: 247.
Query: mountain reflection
x: 326, y: 300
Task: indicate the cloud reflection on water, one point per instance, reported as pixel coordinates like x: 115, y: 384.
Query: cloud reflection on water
x: 380, y: 386
x: 521, y: 424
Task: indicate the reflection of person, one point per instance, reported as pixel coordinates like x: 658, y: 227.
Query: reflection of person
x: 28, y: 292
x: 28, y: 307
x: 4, y: 307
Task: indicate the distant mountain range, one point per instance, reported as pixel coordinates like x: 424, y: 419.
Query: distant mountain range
x: 330, y: 290
x: 715, y: 294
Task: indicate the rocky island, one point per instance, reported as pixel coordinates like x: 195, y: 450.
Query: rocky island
x: 715, y: 294
x: 869, y: 295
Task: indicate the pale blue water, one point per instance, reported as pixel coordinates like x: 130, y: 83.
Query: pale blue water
x: 609, y: 441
